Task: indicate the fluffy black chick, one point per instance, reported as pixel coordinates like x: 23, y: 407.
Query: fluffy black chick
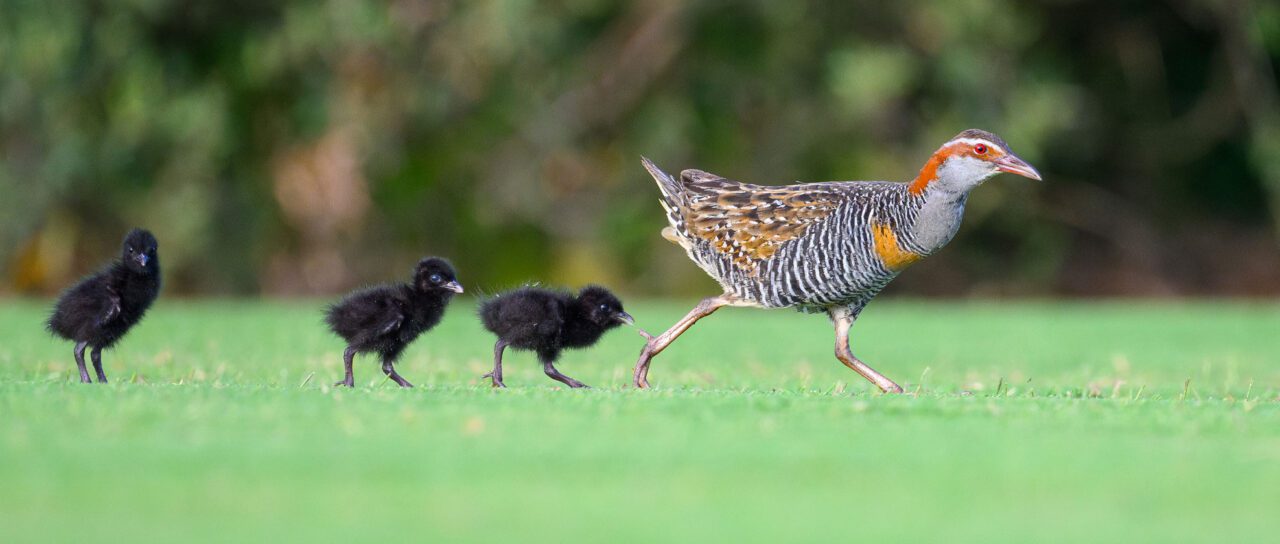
x: 546, y: 322
x: 99, y: 310
x: 387, y: 318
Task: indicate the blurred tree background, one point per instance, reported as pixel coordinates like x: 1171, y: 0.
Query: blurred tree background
x: 296, y: 147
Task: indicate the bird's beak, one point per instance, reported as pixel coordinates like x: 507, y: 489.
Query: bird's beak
x: 142, y: 259
x: 453, y: 286
x: 1011, y: 164
x: 625, y: 318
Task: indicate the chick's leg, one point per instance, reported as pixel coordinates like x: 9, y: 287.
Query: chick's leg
x: 549, y: 368
x: 655, y: 345
x: 496, y: 374
x: 843, y: 319
x: 389, y: 368
x: 84, y: 372
x: 96, y: 355
x: 347, y: 356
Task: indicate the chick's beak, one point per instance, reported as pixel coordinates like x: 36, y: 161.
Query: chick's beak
x: 625, y: 318
x: 453, y: 286
x: 142, y: 259
x: 1013, y: 165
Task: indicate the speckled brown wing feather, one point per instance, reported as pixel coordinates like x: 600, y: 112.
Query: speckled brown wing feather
x: 748, y: 223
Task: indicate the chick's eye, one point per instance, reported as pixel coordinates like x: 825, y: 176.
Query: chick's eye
x: 980, y: 149
x: 435, y: 278
x: 604, y: 307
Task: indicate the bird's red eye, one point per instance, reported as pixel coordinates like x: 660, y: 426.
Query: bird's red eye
x: 980, y: 149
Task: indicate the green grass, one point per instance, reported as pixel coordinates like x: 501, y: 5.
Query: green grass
x: 1028, y: 422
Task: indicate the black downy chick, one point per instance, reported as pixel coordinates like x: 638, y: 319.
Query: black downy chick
x: 99, y: 310
x: 546, y: 322
x: 386, y: 319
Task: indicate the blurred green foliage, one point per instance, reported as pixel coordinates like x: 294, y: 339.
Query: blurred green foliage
x: 292, y: 146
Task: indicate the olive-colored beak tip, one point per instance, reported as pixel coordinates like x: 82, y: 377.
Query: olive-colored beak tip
x: 453, y: 286
x: 625, y: 318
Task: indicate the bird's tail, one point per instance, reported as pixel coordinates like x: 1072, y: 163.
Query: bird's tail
x: 673, y: 200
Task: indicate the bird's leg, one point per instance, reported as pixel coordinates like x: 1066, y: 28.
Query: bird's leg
x: 96, y: 355
x: 347, y: 356
x: 554, y: 374
x: 549, y: 368
x: 843, y: 318
x: 84, y: 372
x: 389, y: 369
x: 655, y: 345
x: 496, y: 373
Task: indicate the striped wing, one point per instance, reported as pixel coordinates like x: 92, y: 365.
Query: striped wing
x: 748, y: 224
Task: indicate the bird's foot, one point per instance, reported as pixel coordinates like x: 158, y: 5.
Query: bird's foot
x: 345, y: 383
x: 495, y: 381
x: 641, y: 374
x: 573, y: 384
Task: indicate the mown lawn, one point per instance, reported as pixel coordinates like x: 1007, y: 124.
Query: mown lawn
x: 1027, y: 422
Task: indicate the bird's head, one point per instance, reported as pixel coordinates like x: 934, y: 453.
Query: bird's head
x: 967, y: 160
x: 434, y: 274
x: 602, y: 307
x: 139, y: 251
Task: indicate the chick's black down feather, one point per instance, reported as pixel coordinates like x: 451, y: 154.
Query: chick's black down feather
x: 548, y: 321
x: 104, y: 306
x: 527, y: 318
x: 386, y: 319
x: 101, y: 308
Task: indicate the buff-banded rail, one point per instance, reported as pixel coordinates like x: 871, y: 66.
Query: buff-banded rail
x: 820, y: 247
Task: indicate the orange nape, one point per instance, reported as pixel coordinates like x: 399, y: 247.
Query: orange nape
x: 894, y: 257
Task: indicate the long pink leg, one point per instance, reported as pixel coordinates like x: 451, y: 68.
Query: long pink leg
x: 843, y: 318
x: 655, y: 345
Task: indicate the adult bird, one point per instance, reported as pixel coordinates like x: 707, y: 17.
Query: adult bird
x: 820, y: 247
